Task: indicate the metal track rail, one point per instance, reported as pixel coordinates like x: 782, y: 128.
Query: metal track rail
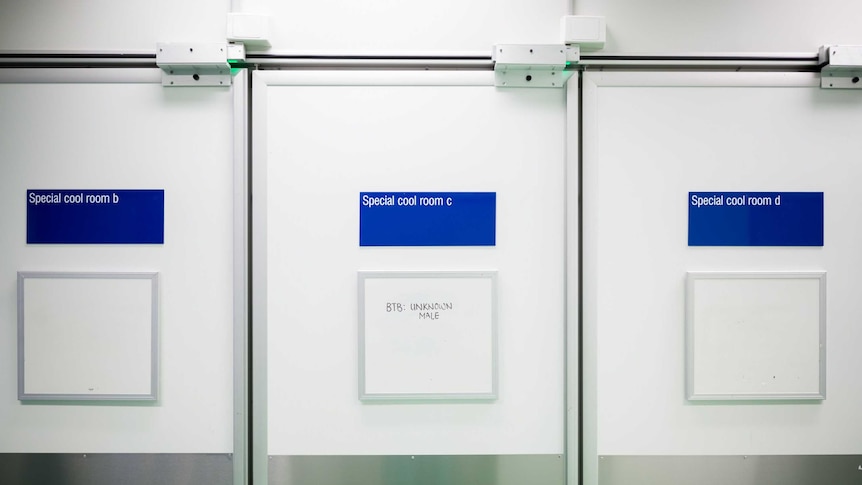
x: 591, y: 61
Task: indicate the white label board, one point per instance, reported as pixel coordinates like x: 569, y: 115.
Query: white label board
x: 87, y: 336
x: 756, y: 335
x: 427, y: 335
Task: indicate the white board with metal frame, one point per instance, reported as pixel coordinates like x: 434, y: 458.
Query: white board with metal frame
x: 427, y: 335
x: 755, y: 336
x: 88, y: 336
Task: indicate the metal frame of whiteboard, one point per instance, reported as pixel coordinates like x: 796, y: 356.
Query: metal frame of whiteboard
x: 396, y: 396
x: 154, y: 334
x: 690, y: 328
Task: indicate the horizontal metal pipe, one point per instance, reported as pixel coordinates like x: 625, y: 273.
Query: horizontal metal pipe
x: 778, y: 62
x: 472, y: 61
x: 76, y: 60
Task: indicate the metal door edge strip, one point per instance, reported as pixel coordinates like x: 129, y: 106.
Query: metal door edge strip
x: 735, y: 469
x: 114, y: 468
x: 540, y: 469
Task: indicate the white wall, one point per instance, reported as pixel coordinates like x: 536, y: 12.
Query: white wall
x: 297, y: 26
x: 369, y: 26
x: 108, y: 25
x: 404, y: 26
x: 685, y: 26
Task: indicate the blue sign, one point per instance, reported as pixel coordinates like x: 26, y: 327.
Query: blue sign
x: 755, y: 218
x: 69, y: 216
x: 427, y: 218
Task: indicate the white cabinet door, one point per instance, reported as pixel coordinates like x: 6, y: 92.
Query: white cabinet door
x: 649, y: 140
x: 107, y: 129
x: 323, y: 138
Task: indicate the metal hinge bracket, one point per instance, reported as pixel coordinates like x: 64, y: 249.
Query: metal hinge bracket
x: 840, y: 66
x: 533, y: 66
x: 193, y: 64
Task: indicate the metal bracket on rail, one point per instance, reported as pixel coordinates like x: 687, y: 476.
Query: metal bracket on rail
x: 544, y: 65
x: 533, y: 66
x: 840, y: 66
x: 197, y: 64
